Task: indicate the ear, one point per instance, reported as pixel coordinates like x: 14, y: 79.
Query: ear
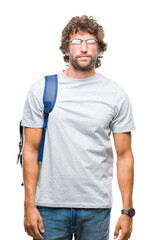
x: 67, y: 53
x: 99, y: 53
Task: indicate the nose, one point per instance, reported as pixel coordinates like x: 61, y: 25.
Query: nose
x: 84, y: 47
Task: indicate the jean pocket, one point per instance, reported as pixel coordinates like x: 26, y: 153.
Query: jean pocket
x: 40, y: 209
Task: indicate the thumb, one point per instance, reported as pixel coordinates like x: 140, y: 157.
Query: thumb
x: 41, y: 225
x: 116, y: 232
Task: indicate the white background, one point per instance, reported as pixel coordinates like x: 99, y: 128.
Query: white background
x: 29, y: 49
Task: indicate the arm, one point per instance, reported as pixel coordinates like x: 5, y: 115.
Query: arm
x: 30, y: 176
x: 125, y: 176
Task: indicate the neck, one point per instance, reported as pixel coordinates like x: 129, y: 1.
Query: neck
x: 73, y: 73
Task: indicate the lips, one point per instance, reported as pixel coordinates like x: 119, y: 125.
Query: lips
x: 84, y: 56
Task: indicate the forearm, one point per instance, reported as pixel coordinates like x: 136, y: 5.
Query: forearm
x: 125, y: 176
x: 30, y: 174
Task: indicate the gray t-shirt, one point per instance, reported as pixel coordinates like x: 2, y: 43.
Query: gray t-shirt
x: 77, y: 167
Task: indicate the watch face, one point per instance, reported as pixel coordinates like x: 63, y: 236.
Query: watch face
x: 132, y: 212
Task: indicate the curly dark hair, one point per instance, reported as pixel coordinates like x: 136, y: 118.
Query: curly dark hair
x: 84, y: 24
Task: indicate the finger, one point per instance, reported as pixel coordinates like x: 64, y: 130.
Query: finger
x: 30, y: 232
x: 123, y: 236
x: 36, y: 233
x: 25, y: 228
x: 130, y: 232
x: 116, y: 232
x: 41, y: 225
x: 33, y: 231
x: 38, y: 236
x: 129, y: 235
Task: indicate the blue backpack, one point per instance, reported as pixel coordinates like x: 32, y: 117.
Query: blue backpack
x: 49, y: 99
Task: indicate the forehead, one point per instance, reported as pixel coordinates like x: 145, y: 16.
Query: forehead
x: 82, y: 35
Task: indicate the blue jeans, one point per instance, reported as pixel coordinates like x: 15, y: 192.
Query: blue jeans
x: 84, y: 223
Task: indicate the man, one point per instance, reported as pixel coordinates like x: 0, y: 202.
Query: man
x: 70, y: 192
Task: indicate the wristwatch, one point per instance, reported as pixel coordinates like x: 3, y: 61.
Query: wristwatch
x: 130, y: 212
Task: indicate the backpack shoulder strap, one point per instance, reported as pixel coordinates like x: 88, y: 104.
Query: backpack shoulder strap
x: 50, y: 93
x: 19, y: 156
x: 49, y: 99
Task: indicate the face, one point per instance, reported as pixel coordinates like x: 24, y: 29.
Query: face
x: 83, y: 56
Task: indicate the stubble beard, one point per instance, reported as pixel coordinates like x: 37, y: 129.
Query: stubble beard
x: 77, y: 65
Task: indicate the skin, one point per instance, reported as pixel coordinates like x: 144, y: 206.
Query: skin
x: 83, y: 57
x: 32, y: 218
x: 125, y: 176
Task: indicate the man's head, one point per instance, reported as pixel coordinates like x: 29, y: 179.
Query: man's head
x: 83, y: 55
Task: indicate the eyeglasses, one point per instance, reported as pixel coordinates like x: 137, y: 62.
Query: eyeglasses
x: 77, y: 41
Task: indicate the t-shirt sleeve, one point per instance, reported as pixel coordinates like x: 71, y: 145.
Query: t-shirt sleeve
x: 33, y: 107
x: 123, y: 120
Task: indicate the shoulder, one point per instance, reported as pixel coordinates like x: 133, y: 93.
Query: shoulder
x: 36, y: 90
x: 112, y: 86
x: 38, y: 85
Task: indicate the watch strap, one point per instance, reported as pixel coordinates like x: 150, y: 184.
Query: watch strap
x: 130, y: 212
x: 125, y: 211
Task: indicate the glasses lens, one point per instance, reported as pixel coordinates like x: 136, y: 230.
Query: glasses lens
x: 79, y: 41
x: 91, y: 41
x: 76, y: 41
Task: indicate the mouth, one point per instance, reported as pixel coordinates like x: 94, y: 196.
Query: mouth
x: 84, y: 57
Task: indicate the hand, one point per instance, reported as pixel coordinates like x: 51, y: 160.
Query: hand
x: 124, y: 223
x: 33, y: 220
